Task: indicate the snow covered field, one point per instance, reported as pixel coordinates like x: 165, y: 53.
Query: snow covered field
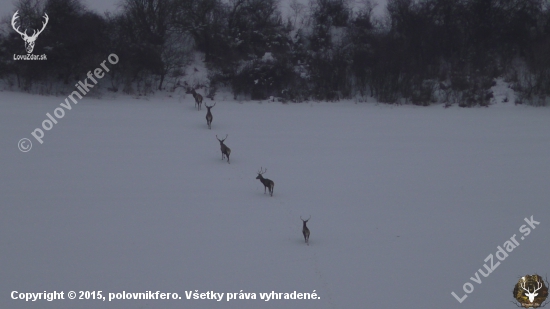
x: 406, y: 202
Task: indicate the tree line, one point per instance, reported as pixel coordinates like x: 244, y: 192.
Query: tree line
x: 421, y: 52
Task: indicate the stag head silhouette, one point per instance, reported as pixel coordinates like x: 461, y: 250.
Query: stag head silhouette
x: 29, y: 40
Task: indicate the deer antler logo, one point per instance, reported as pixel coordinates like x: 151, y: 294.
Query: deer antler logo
x: 533, y: 294
x: 29, y: 40
x: 528, y: 298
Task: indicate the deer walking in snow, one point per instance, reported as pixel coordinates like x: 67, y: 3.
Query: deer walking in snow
x: 198, y: 97
x: 209, y: 116
x: 305, y: 230
x: 225, y: 150
x: 268, y: 183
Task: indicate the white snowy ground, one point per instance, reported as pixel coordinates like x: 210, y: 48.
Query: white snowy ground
x: 406, y: 202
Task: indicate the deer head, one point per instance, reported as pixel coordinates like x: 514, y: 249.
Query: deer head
x: 29, y: 40
x: 221, y: 140
x: 209, y: 107
x: 529, y: 294
x: 260, y: 173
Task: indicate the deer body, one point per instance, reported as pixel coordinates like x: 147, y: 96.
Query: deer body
x: 225, y: 150
x: 209, y: 116
x: 198, y: 97
x: 268, y: 183
x: 305, y: 230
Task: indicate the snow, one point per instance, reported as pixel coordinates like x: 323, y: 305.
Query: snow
x: 406, y: 202
x: 268, y: 57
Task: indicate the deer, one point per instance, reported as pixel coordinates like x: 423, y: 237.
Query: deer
x: 305, y: 230
x: 529, y: 294
x: 268, y: 183
x: 29, y: 40
x: 225, y: 150
x: 209, y: 116
x: 198, y: 97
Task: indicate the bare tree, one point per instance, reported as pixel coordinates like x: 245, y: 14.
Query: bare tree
x: 149, y: 24
x: 297, y: 12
